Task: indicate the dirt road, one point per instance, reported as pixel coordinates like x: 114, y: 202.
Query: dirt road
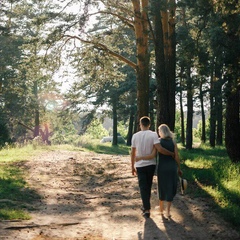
x: 89, y: 196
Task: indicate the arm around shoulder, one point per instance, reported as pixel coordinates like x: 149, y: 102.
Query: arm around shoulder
x: 164, y: 151
x: 147, y: 157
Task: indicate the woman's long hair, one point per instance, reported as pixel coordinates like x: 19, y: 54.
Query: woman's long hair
x: 165, y: 132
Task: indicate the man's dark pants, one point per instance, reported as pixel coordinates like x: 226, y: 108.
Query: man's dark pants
x: 145, y: 179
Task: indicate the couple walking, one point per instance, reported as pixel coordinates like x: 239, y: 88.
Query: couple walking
x: 145, y: 145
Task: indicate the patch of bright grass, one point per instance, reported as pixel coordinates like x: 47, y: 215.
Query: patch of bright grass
x: 216, y: 177
x: 107, y: 148
x: 13, y: 214
x: 199, y: 163
x: 97, y: 147
x: 18, y: 153
x: 67, y: 147
x: 16, y: 196
x: 94, y: 145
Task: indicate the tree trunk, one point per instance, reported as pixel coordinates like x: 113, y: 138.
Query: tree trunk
x: 37, y: 114
x: 212, y: 112
x: 203, y: 133
x: 130, y: 127
x: 181, y: 110
x: 141, y: 32
x: 114, y: 112
x: 232, y: 136
x: 219, y: 117
x: 165, y: 45
x: 163, y: 115
x: 219, y: 106
x: 151, y: 109
x: 232, y: 130
x: 172, y: 64
x: 45, y: 134
x: 189, y: 135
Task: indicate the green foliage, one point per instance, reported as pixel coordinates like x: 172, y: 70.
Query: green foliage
x: 84, y: 141
x: 210, y: 173
x: 96, y: 130
x: 60, y: 137
x: 177, y: 130
x: 198, y: 131
x: 25, y: 72
x: 63, y: 127
x: 122, y: 128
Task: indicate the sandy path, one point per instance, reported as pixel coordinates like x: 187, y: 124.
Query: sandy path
x: 89, y: 196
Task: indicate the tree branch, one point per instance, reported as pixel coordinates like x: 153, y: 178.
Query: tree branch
x: 104, y: 48
x: 123, y: 19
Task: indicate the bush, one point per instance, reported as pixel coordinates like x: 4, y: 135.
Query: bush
x: 122, y: 129
x: 83, y: 141
x: 96, y: 130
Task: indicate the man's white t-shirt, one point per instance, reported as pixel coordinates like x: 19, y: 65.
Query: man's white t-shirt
x: 144, y: 142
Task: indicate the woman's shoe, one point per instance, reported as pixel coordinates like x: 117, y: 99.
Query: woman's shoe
x: 168, y: 216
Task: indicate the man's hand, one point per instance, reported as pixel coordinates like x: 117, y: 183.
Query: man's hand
x: 134, y: 172
x: 133, y: 156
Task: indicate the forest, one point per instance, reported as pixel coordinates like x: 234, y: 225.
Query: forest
x: 66, y: 65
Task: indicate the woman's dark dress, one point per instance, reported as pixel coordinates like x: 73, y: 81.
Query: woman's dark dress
x: 167, y: 173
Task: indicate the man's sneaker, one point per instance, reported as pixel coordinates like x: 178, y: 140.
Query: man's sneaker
x: 146, y: 214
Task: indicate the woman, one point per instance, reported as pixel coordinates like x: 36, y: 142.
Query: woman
x: 167, y: 170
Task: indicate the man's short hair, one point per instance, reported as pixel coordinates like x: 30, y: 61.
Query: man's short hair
x: 145, y: 121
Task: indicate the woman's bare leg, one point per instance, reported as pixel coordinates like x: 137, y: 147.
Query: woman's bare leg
x: 168, y: 209
x: 161, y: 205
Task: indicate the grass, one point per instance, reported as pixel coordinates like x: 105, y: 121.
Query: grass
x: 10, y: 154
x: 217, y: 178
x: 15, y: 194
x: 209, y: 172
x: 107, y: 148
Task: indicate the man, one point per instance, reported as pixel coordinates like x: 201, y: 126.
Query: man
x: 142, y: 145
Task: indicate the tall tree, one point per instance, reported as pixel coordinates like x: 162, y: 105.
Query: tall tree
x: 30, y: 76
x: 165, y: 46
x: 141, y: 28
x: 119, y: 15
x: 229, y: 12
x: 136, y: 16
x: 186, y: 55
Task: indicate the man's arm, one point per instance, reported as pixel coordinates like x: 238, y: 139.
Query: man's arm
x: 164, y: 151
x: 133, y: 155
x: 147, y: 157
